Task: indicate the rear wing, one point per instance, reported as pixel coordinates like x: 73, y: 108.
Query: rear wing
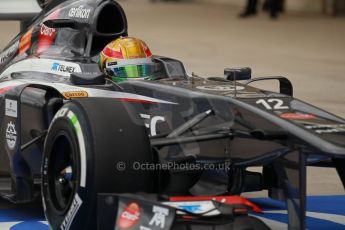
x: 19, y: 10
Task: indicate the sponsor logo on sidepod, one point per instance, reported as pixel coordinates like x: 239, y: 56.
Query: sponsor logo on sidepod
x: 159, y: 216
x: 11, y: 108
x: 79, y: 12
x: 62, y: 68
x: 11, y: 135
x: 130, y: 216
x: 220, y: 87
x: 75, y: 94
x: 47, y: 31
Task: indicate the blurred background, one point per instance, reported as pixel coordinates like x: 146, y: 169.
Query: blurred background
x: 305, y: 43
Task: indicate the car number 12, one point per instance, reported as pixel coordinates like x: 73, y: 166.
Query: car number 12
x: 272, y: 104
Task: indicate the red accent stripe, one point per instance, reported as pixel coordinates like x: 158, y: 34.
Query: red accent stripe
x: 297, y: 116
x: 112, y: 53
x: 231, y: 200
x: 137, y: 100
x: 6, y: 89
x: 148, y: 52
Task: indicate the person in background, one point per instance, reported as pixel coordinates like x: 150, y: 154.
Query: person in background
x: 250, y: 10
x: 273, y: 7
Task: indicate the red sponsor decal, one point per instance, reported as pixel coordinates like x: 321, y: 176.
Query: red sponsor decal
x: 297, y: 116
x: 45, y: 38
x: 25, y: 42
x: 130, y: 216
x: 46, y: 35
x: 231, y: 200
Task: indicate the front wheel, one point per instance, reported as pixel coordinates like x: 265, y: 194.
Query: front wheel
x: 86, y: 140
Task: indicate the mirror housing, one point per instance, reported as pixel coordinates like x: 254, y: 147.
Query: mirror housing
x: 238, y: 74
x: 285, y: 84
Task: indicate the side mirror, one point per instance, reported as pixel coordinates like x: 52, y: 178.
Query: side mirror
x: 285, y: 84
x: 237, y: 74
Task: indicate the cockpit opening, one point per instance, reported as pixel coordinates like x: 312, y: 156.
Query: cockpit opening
x: 110, y: 23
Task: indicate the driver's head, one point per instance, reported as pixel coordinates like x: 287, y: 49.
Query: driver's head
x: 126, y: 58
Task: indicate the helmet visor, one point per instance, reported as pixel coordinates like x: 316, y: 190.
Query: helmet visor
x: 131, y: 71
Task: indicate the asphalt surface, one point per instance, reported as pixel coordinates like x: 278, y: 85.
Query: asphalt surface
x: 323, y: 212
x: 308, y: 49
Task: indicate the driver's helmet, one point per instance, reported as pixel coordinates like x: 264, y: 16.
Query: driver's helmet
x: 126, y: 58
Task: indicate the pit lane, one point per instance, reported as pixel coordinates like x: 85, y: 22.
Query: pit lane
x: 324, y: 212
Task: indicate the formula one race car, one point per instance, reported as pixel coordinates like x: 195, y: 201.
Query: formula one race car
x: 175, y: 144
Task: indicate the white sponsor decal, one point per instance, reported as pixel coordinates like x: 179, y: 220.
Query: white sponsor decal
x: 79, y: 12
x: 43, y: 66
x: 11, y: 108
x: 220, y: 87
x: 196, y: 207
x: 145, y: 228
x: 77, y: 202
x: 152, y: 123
x: 6, y: 54
x: 321, y: 129
x: 158, y: 218
x: 272, y: 104
x: 47, y: 31
x: 61, y: 113
x: 130, y: 216
x: 11, y: 135
x: 56, y: 66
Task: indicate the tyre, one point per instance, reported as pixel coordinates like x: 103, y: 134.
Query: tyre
x: 85, y: 143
